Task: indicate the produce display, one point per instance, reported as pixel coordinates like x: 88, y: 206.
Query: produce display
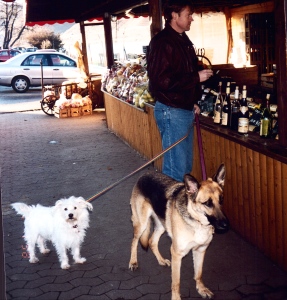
x: 129, y: 83
x: 76, y: 101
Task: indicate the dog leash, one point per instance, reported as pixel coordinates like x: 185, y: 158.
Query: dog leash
x: 155, y: 158
x: 199, y: 140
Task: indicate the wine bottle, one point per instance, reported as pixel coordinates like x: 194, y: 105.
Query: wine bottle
x: 235, y: 106
x: 226, y: 109
x: 218, y: 106
x: 266, y: 121
x: 243, y: 114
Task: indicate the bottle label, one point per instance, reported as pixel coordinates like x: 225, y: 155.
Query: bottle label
x: 243, y: 125
x: 264, y: 128
x: 224, y: 119
x: 216, y: 117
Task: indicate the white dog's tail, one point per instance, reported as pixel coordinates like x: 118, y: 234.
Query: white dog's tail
x: 22, y: 208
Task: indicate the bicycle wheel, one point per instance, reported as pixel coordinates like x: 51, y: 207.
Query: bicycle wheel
x: 47, y: 105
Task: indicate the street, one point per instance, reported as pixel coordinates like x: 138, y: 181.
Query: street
x: 10, y: 101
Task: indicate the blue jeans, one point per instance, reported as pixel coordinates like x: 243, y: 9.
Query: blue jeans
x: 173, y: 124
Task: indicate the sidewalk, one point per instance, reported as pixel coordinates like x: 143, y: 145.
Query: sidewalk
x: 44, y: 159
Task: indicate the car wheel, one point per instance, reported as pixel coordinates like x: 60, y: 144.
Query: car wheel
x: 20, y: 84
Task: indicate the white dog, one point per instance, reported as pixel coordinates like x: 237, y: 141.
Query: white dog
x: 64, y: 224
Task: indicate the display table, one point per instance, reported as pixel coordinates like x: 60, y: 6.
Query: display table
x: 256, y: 172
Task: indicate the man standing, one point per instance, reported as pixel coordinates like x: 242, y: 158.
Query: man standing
x: 174, y: 81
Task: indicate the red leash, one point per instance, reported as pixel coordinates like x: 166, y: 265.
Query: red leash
x: 199, y: 140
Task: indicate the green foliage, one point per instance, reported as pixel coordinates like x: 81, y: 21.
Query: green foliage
x: 44, y: 39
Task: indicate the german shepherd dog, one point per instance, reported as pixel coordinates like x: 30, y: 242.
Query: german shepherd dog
x: 190, y: 212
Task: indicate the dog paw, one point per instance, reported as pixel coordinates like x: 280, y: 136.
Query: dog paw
x: 205, y: 293
x: 65, y: 266
x: 80, y: 260
x: 33, y: 260
x: 164, y: 262
x: 133, y: 266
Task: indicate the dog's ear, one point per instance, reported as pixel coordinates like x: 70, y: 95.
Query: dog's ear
x: 89, y: 206
x: 219, y: 177
x: 191, y: 185
x: 85, y: 203
x: 58, y: 203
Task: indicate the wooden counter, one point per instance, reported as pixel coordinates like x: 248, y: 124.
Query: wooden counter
x: 256, y: 172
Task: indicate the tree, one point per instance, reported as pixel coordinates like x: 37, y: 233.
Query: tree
x: 12, y: 22
x: 42, y: 38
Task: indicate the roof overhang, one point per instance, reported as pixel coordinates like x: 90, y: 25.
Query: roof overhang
x: 59, y: 11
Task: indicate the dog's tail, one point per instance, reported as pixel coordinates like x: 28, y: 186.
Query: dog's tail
x: 145, y: 236
x: 22, y: 208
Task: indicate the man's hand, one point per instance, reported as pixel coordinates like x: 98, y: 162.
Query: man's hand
x: 196, y: 109
x: 205, y: 74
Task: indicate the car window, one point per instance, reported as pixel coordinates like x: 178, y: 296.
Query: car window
x: 4, y: 53
x: 60, y: 60
x: 35, y: 60
x: 14, y: 53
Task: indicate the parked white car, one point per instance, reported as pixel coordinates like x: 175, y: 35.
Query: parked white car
x: 24, y: 70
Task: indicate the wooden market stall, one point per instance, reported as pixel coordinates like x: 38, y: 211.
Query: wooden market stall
x: 256, y: 169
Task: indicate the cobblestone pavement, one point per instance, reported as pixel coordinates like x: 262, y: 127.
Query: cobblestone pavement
x: 44, y: 159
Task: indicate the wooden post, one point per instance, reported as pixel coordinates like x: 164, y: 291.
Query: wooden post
x: 84, y: 47
x: 280, y: 12
x: 155, y: 13
x: 229, y: 32
x: 109, y: 40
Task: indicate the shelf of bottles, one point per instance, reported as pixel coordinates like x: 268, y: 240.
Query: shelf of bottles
x: 260, y: 40
x: 233, y: 109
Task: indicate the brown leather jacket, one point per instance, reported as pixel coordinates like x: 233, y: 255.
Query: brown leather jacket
x: 172, y: 67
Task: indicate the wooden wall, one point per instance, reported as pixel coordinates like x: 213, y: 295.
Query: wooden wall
x: 254, y: 193
x: 134, y: 126
x: 255, y: 183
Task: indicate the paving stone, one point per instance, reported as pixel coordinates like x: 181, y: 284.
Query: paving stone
x: 27, y: 277
x: 134, y: 282
x: 104, y: 288
x: 92, y: 297
x: 40, y: 282
x: 115, y: 276
x: 86, y: 281
x: 23, y: 293
x: 150, y: 296
x: 227, y: 295
x: 70, y: 276
x: 12, y: 285
x: 253, y: 289
x: 123, y: 294
x: 57, y: 287
x: 278, y: 294
x: 154, y: 288
x: 98, y: 271
x: 72, y: 294
x: 47, y: 296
